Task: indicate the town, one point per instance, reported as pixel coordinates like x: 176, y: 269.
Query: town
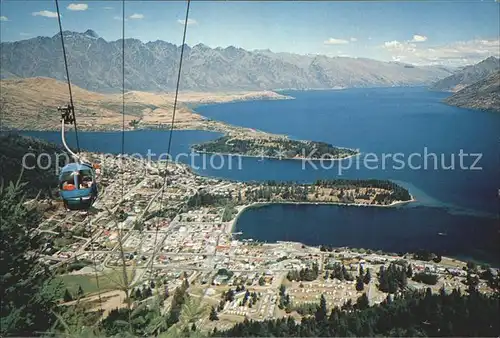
x: 157, y: 227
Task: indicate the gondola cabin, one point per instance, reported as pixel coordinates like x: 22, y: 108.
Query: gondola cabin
x: 77, y: 186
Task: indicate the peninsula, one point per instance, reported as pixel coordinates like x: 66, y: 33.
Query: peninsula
x: 270, y: 146
x: 31, y: 104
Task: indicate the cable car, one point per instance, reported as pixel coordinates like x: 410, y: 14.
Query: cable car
x: 77, y: 186
x: 77, y: 181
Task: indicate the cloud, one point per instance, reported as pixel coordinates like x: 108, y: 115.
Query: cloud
x: 25, y: 34
x: 333, y: 41
x: 458, y: 53
x: 107, y: 8
x: 47, y: 14
x: 78, y: 7
x: 136, y: 16
x: 353, y: 39
x: 4, y: 18
x: 119, y: 18
x: 190, y: 22
x: 419, y: 38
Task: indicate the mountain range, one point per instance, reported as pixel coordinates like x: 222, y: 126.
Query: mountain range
x: 468, y: 75
x: 484, y: 94
x: 96, y: 64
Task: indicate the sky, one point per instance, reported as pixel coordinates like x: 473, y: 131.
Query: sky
x: 421, y: 32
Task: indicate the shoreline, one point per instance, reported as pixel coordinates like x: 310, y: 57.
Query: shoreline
x: 278, y: 158
x: 256, y: 205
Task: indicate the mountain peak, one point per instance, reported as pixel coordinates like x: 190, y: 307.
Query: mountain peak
x: 88, y: 33
x: 152, y: 66
x: 91, y: 33
x: 201, y: 46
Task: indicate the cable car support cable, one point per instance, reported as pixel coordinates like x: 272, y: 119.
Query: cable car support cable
x: 71, y: 106
x: 69, y: 117
x: 170, y: 135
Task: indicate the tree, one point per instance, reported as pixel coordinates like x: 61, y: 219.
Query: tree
x: 320, y: 314
x: 359, y: 284
x: 67, y: 296
x: 471, y: 266
x: 27, y: 304
x: 437, y: 259
x: 138, y: 294
x: 409, y: 271
x: 147, y: 292
x: 368, y: 277
x: 213, y: 314
x: 363, y: 302
x: 80, y: 292
x: 262, y: 282
x: 426, y: 278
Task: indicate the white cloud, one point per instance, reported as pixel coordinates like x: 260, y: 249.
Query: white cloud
x: 353, y: 39
x: 4, y: 18
x: 454, y: 54
x: 119, y: 18
x: 25, y: 34
x: 136, y: 16
x: 107, y: 8
x: 333, y: 41
x: 47, y: 14
x: 78, y: 7
x: 399, y: 46
x: 419, y: 38
x: 190, y: 22
x: 393, y: 44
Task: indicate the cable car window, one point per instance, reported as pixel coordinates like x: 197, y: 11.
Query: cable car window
x: 67, y: 181
x: 85, y: 179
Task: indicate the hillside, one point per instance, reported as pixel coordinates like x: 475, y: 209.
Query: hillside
x: 468, y: 75
x: 95, y: 64
x: 484, y: 94
x: 13, y: 148
x: 32, y: 104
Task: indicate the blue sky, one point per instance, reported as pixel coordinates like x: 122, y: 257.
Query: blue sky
x: 424, y: 32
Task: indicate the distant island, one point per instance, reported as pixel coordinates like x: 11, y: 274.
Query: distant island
x: 271, y: 146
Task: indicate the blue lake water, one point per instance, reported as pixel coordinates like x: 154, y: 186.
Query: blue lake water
x: 462, y: 203
x: 399, y: 229
x: 381, y: 121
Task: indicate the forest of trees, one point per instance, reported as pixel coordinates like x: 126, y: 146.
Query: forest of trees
x: 412, y: 314
x: 392, y: 278
x: 293, y: 191
x: 202, y: 199
x: 339, y: 272
x: 307, y: 274
x: 28, y: 302
x: 14, y: 147
x: 290, y: 148
x: 398, y: 193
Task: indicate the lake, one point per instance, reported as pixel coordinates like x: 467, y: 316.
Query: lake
x: 398, y: 229
x: 461, y: 202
